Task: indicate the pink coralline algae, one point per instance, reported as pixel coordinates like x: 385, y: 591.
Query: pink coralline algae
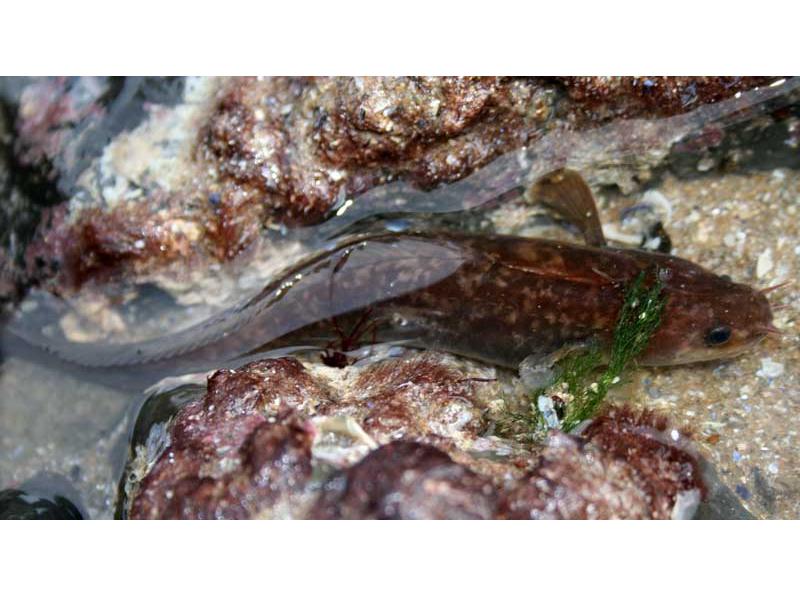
x: 249, y: 448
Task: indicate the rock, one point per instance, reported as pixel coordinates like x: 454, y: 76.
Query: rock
x: 220, y: 448
x: 720, y: 501
x: 420, y: 397
x: 167, y: 176
x: 19, y: 505
x: 57, y: 127
x: 404, y: 437
x: 46, y: 496
x: 302, y: 143
x: 661, y: 457
x: 603, y: 97
x: 407, y: 480
x: 770, y: 369
x: 272, y: 461
x: 764, y: 264
x: 620, y: 467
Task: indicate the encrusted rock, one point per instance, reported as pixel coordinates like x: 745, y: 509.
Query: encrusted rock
x: 194, y: 171
x: 301, y: 143
x: 272, y: 462
x: 623, y: 466
x: 401, y: 438
x: 418, y: 397
x: 407, y: 480
x: 604, y: 97
x: 227, y: 457
x: 659, y: 455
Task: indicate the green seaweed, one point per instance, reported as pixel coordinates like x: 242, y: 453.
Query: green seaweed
x: 638, y: 319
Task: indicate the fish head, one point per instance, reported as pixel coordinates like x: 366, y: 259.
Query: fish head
x: 706, y: 317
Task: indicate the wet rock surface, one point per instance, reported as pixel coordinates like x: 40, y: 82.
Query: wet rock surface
x: 158, y: 177
x: 225, y: 458
x: 277, y: 438
x: 51, y: 131
x: 20, y: 505
x: 605, y: 97
x: 407, y: 480
x: 44, y: 497
x: 304, y: 143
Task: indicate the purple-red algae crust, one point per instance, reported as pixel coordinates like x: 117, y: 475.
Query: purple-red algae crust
x: 284, y: 150
x: 226, y: 459
x: 408, y: 480
x: 603, y: 97
x: 247, y: 449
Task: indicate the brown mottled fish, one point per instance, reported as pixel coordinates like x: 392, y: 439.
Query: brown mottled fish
x: 492, y: 297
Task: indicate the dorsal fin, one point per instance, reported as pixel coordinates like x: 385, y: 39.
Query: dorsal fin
x: 566, y: 192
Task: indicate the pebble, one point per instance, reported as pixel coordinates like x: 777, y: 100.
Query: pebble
x: 743, y: 492
x: 770, y: 369
x: 705, y: 164
x: 660, y: 202
x: 764, y: 264
x: 547, y: 410
x: 18, y: 505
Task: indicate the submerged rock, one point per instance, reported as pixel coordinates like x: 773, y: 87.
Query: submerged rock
x: 45, y: 496
x: 405, y: 437
x: 604, y: 97
x: 303, y: 143
x: 221, y: 447
x: 52, y: 133
x: 20, y: 505
x: 166, y: 176
x: 407, y: 480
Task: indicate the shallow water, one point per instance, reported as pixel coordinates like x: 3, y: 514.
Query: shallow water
x: 61, y: 421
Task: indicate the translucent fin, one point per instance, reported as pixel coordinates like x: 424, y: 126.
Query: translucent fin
x: 566, y: 193
x: 353, y: 275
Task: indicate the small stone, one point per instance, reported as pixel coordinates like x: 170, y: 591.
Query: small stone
x: 17, y: 505
x: 534, y: 374
x: 742, y: 491
x: 545, y: 405
x: 705, y: 164
x: 770, y: 369
x: 764, y: 264
x: 660, y: 202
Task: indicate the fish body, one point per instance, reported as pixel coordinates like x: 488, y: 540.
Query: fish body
x: 495, y: 298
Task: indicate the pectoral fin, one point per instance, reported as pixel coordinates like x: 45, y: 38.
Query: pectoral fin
x: 538, y: 371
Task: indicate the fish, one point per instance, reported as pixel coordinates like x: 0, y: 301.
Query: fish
x: 496, y: 298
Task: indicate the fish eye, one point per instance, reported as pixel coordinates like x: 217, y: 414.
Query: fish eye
x: 718, y: 335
